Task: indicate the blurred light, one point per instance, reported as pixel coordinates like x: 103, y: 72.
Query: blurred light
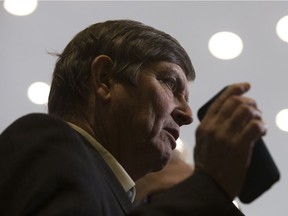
x: 282, y: 28
x: 225, y: 45
x: 179, y: 145
x: 183, y: 151
x: 282, y: 120
x: 20, y: 7
x: 38, y: 93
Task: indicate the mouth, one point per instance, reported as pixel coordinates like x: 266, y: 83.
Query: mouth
x: 174, y: 133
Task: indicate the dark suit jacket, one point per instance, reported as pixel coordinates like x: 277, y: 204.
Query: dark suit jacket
x: 46, y: 168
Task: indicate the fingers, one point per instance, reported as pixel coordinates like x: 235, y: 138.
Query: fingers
x: 254, y: 130
x: 226, y: 136
x: 232, y: 90
x: 236, y: 113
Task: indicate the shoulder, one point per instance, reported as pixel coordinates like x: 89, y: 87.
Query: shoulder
x: 36, y: 128
x: 40, y: 137
x: 34, y: 121
x: 40, y: 146
x: 44, y: 162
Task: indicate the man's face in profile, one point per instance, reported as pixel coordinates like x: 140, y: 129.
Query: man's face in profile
x: 148, y: 116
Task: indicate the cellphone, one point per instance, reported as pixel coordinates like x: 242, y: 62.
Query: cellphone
x: 262, y: 172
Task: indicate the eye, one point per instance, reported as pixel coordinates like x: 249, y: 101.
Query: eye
x: 171, y: 83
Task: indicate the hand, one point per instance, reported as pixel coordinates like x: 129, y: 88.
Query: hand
x: 226, y: 136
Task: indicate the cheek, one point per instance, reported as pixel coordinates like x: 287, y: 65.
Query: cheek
x: 151, y: 114
x: 145, y: 118
x: 147, y: 135
x: 162, y: 108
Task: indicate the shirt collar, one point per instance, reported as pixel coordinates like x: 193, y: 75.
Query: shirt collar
x: 123, y: 177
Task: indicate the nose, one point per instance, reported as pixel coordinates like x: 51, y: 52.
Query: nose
x: 182, y: 114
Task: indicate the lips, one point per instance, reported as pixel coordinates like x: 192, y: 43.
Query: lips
x: 173, y: 132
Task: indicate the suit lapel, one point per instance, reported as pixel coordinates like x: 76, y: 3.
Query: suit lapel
x: 110, y: 178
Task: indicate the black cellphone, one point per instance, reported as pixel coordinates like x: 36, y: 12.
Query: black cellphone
x: 262, y: 172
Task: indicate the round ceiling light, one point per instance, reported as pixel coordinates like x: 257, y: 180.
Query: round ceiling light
x: 282, y: 28
x: 38, y: 93
x: 282, y: 120
x: 225, y: 45
x: 20, y: 7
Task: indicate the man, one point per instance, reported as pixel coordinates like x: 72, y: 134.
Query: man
x: 119, y: 96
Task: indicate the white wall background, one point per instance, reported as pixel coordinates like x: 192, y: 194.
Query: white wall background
x: 25, y: 41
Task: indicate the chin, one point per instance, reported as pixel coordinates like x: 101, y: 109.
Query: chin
x: 160, y: 155
x: 162, y: 163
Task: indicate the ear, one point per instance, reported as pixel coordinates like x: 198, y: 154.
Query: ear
x: 101, y: 70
